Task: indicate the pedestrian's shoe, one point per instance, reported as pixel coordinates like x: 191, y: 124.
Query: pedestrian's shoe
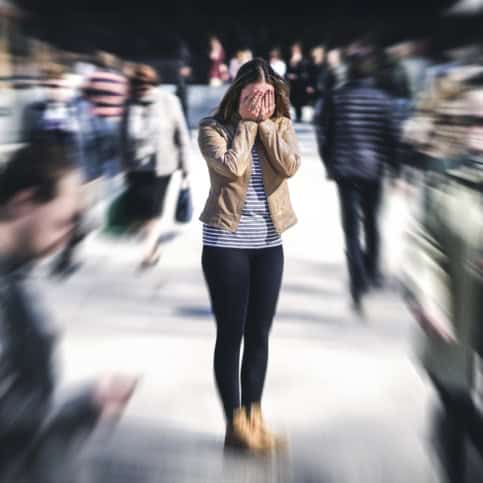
x: 357, y: 302
x: 151, y: 260
x: 269, y: 439
x: 240, y: 434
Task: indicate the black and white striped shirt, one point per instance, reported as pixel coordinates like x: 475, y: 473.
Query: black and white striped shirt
x: 256, y: 229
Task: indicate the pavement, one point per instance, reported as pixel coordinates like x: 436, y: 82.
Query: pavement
x: 345, y: 390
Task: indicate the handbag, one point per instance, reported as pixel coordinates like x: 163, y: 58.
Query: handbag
x: 184, y: 204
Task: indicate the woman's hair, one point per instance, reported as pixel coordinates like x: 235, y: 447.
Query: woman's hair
x: 145, y: 74
x: 256, y: 70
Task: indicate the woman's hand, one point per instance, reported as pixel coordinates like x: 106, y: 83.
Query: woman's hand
x: 250, y: 106
x: 267, y: 105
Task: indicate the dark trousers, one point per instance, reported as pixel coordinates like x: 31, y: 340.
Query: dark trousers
x: 244, y: 286
x: 359, y: 203
x: 456, y: 423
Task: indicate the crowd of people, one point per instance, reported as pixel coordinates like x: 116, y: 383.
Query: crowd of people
x: 306, y: 77
x: 380, y: 118
x: 418, y: 120
x: 117, y: 122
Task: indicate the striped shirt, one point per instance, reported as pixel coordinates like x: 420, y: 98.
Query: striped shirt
x: 256, y: 229
x: 107, y: 91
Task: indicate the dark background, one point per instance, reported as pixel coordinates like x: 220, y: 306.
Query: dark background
x: 143, y: 30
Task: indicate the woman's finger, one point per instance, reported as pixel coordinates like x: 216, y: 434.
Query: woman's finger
x: 255, y: 97
x: 265, y: 103
x: 259, y: 100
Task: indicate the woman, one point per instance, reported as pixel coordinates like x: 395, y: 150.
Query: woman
x: 277, y: 63
x: 156, y: 143
x: 316, y: 75
x: 218, y: 72
x: 251, y: 149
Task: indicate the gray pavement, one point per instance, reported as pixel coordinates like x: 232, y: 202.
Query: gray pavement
x: 345, y: 390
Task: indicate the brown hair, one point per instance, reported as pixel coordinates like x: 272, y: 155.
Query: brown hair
x: 256, y: 70
x: 145, y: 74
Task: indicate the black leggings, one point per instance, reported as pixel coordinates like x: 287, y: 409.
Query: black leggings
x: 244, y: 286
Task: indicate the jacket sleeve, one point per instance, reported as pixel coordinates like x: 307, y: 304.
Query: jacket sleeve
x: 227, y: 159
x: 182, y: 136
x: 426, y: 272
x: 281, y: 145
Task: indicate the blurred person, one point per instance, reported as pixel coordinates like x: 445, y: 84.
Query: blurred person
x: 356, y: 142
x: 337, y: 67
x: 444, y: 287
x: 297, y: 77
x: 393, y: 77
x: 61, y: 116
x: 185, y: 74
x: 433, y: 138
x: 251, y: 149
x: 235, y: 64
x: 415, y: 62
x: 218, y: 71
x: 107, y: 89
x: 241, y: 57
x: 39, y: 200
x: 155, y: 143
x: 55, y: 112
x: 318, y: 73
x: 276, y: 62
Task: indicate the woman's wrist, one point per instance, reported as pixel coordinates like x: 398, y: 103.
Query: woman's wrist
x: 249, y: 122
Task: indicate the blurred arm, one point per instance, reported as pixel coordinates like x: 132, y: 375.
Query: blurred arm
x: 427, y: 273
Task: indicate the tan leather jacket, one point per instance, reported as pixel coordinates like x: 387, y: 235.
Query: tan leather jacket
x: 227, y: 151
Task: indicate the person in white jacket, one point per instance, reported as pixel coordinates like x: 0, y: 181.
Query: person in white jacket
x: 156, y: 143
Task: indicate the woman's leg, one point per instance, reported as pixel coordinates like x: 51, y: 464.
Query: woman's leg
x: 152, y: 228
x: 151, y: 231
x: 265, y: 282
x: 227, y: 272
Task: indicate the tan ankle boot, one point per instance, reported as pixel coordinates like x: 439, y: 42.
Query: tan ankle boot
x: 268, y: 439
x: 240, y: 434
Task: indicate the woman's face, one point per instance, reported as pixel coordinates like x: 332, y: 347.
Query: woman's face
x: 254, y: 88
